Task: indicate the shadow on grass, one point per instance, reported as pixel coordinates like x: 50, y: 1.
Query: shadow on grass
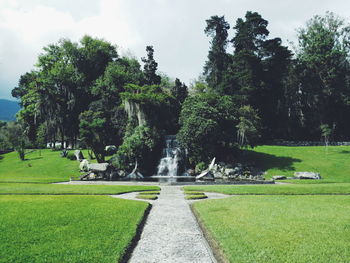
x: 267, y: 161
x: 344, y: 152
x: 32, y: 159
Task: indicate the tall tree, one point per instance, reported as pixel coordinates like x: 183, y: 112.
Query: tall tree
x: 218, y: 59
x: 150, y: 68
x: 324, y: 52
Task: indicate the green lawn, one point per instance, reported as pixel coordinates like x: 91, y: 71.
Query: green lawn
x: 66, y: 228
x: 49, y: 167
x: 275, y: 189
x: 279, y: 228
x: 333, y: 164
x: 27, y: 188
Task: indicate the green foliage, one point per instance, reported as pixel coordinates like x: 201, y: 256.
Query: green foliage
x: 201, y: 166
x: 145, y: 95
x: 71, y: 156
x: 323, y: 75
x: 54, y: 228
x: 260, y: 229
x: 150, y: 68
x: 247, y: 128
x: 92, y: 131
x: 14, y: 134
x: 218, y: 59
x: 140, y: 147
x: 207, y: 127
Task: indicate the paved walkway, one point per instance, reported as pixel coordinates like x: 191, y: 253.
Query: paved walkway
x: 171, y: 233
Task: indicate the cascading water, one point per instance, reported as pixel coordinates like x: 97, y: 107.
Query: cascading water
x: 169, y: 163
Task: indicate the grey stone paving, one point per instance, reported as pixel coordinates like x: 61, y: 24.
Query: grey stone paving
x: 171, y: 233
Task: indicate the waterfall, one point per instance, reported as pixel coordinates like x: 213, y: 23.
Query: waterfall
x: 169, y: 163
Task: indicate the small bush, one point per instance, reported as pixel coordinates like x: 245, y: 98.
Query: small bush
x: 196, y: 196
x: 147, y: 196
x: 200, y: 167
x: 71, y: 156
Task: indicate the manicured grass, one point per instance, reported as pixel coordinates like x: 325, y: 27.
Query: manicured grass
x: 67, y: 228
x: 333, y: 164
x: 193, y: 193
x: 310, y: 229
x: 276, y: 189
x: 49, y: 167
x: 153, y: 192
x: 196, y: 196
x: 147, y: 196
x: 27, y: 188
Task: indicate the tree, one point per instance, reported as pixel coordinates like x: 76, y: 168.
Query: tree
x: 15, y: 135
x: 248, y: 127
x: 150, y: 68
x: 207, y: 124
x: 218, y: 59
x: 323, y: 52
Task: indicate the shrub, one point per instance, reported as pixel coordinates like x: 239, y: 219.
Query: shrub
x: 200, y: 167
x: 140, y: 146
x: 71, y: 156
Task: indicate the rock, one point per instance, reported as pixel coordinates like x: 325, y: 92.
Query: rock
x: 229, y: 171
x: 84, y: 165
x: 98, y: 167
x: 121, y: 173
x: 307, y: 175
x: 218, y: 175
x: 79, y: 155
x: 190, y: 172
x: 279, y: 177
x: 91, y: 176
x: 111, y: 149
x: 206, y: 175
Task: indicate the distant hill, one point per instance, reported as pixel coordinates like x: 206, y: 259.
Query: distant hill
x: 8, y: 110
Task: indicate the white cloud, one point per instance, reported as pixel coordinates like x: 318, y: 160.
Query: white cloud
x: 175, y: 28
x: 25, y: 30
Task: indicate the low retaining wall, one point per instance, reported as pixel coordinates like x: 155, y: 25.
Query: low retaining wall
x: 307, y: 143
x: 221, y: 183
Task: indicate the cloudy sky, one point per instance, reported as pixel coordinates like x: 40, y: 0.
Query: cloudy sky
x: 173, y: 27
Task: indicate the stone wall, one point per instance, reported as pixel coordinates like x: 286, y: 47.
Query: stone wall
x: 306, y: 143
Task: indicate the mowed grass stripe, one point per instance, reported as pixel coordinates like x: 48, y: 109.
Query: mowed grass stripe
x: 67, y: 228
x: 26, y: 188
x: 277, y: 189
x: 304, y: 229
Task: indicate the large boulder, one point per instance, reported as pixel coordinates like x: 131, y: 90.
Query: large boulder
x: 84, y: 165
x: 79, y: 155
x: 98, y: 167
x: 307, y: 175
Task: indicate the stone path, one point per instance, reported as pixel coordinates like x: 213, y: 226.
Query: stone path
x: 171, y: 233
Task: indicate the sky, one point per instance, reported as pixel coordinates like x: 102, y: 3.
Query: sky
x: 175, y: 28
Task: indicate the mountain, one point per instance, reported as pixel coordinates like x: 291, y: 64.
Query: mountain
x: 8, y: 110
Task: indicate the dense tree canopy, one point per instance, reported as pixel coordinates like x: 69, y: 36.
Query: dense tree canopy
x: 86, y: 93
